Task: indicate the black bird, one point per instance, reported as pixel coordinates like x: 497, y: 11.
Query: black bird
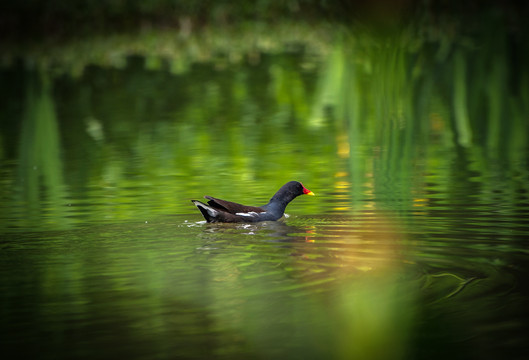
x: 218, y: 210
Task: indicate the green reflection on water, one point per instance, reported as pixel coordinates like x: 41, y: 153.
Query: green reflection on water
x: 373, y: 121
x: 40, y: 184
x: 182, y: 290
x: 409, y: 113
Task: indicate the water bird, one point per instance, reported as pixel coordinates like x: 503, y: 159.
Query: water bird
x: 217, y: 210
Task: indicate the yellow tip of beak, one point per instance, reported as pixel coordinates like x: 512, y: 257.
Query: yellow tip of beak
x: 310, y: 193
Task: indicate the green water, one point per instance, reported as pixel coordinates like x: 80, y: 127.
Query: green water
x: 414, y: 247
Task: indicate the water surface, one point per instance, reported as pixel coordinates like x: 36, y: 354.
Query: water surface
x: 414, y: 246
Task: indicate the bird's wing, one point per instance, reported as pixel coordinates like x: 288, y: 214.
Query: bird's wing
x: 231, y: 207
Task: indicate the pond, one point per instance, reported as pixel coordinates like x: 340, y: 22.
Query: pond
x: 415, y: 245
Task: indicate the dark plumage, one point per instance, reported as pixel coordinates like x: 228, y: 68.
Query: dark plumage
x: 217, y: 210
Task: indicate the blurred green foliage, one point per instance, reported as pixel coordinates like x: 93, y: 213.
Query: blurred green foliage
x: 30, y: 20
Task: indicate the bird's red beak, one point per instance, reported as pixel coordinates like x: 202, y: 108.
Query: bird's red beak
x: 307, y: 191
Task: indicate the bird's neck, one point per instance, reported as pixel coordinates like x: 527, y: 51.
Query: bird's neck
x: 278, y: 203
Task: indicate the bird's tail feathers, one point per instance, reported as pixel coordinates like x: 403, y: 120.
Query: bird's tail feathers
x: 207, y: 211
